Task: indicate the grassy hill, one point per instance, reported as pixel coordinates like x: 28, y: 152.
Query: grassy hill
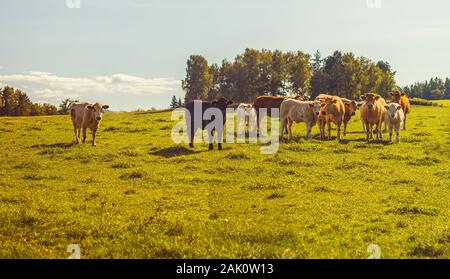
x: 138, y: 195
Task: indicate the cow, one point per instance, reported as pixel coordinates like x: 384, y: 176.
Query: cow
x: 85, y: 115
x: 401, y: 99
x: 322, y: 119
x: 333, y: 109
x: 221, y: 104
x: 292, y: 110
x: 372, y: 113
x: 393, y: 118
x: 270, y: 102
x: 246, y: 115
x: 350, y: 110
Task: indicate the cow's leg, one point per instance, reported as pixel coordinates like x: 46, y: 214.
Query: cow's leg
x: 94, y: 134
x: 368, y: 131
x: 75, y: 130
x: 258, y: 124
x: 339, y: 131
x: 286, y: 128
x: 283, y: 125
x: 390, y: 134
x: 219, y: 138
x: 380, y: 131
x: 345, y: 128
x: 191, y: 134
x: 329, y: 129
x: 289, y: 128
x: 84, y: 134
x: 322, y: 129
x: 308, y: 130
x: 210, y: 139
x: 397, y: 131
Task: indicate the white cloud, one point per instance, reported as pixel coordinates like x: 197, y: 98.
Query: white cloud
x: 53, y: 87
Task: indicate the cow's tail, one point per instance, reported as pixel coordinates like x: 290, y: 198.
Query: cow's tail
x: 72, y: 113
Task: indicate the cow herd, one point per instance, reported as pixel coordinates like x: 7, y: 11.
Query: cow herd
x: 325, y: 110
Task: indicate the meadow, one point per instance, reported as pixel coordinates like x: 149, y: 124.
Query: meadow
x: 139, y: 195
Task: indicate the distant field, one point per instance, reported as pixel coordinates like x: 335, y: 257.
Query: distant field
x: 138, y: 195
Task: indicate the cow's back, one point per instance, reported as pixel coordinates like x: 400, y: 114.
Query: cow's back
x: 77, y: 111
x: 404, y: 102
x: 268, y: 102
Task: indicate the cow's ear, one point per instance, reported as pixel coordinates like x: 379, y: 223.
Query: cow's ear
x: 229, y: 102
x: 403, y: 94
x: 362, y: 97
x: 392, y: 93
x: 386, y: 107
x: 105, y: 107
x: 90, y: 107
x: 334, y: 101
x: 377, y: 97
x: 399, y: 107
x: 322, y: 104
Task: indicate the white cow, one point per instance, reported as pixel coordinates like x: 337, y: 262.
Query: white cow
x: 246, y: 116
x: 292, y: 110
x: 393, y: 119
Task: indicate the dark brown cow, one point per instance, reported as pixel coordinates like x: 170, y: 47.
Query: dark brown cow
x: 220, y: 104
x: 270, y: 102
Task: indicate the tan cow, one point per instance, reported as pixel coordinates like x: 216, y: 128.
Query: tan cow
x: 84, y: 116
x: 333, y: 108
x: 403, y: 101
x: 299, y: 111
x: 350, y: 110
x: 322, y: 118
x: 372, y: 113
x: 393, y: 119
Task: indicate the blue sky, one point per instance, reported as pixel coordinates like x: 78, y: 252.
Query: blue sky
x: 132, y: 54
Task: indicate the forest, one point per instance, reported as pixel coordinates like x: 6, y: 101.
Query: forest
x: 263, y: 72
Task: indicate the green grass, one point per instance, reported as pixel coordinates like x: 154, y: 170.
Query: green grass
x: 138, y: 195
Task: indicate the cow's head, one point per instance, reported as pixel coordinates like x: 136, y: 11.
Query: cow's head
x: 98, y: 110
x: 222, y: 103
x: 315, y: 107
x: 370, y: 99
x: 328, y: 105
x: 396, y: 95
x: 392, y: 109
x: 245, y: 107
x: 351, y: 107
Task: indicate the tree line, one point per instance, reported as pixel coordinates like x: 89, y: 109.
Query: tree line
x: 275, y: 73
x: 434, y: 89
x: 15, y: 102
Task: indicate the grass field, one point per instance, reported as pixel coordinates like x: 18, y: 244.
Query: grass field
x: 138, y: 195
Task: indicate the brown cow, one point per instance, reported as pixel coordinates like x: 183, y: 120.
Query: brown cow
x: 372, y: 113
x: 84, y: 116
x: 350, y: 110
x: 401, y: 99
x: 220, y: 104
x: 334, y: 111
x: 269, y: 102
x: 322, y: 118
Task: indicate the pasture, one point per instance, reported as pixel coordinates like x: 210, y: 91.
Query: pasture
x: 139, y: 195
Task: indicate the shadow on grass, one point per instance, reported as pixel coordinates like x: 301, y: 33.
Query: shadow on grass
x: 55, y: 145
x: 174, y: 151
